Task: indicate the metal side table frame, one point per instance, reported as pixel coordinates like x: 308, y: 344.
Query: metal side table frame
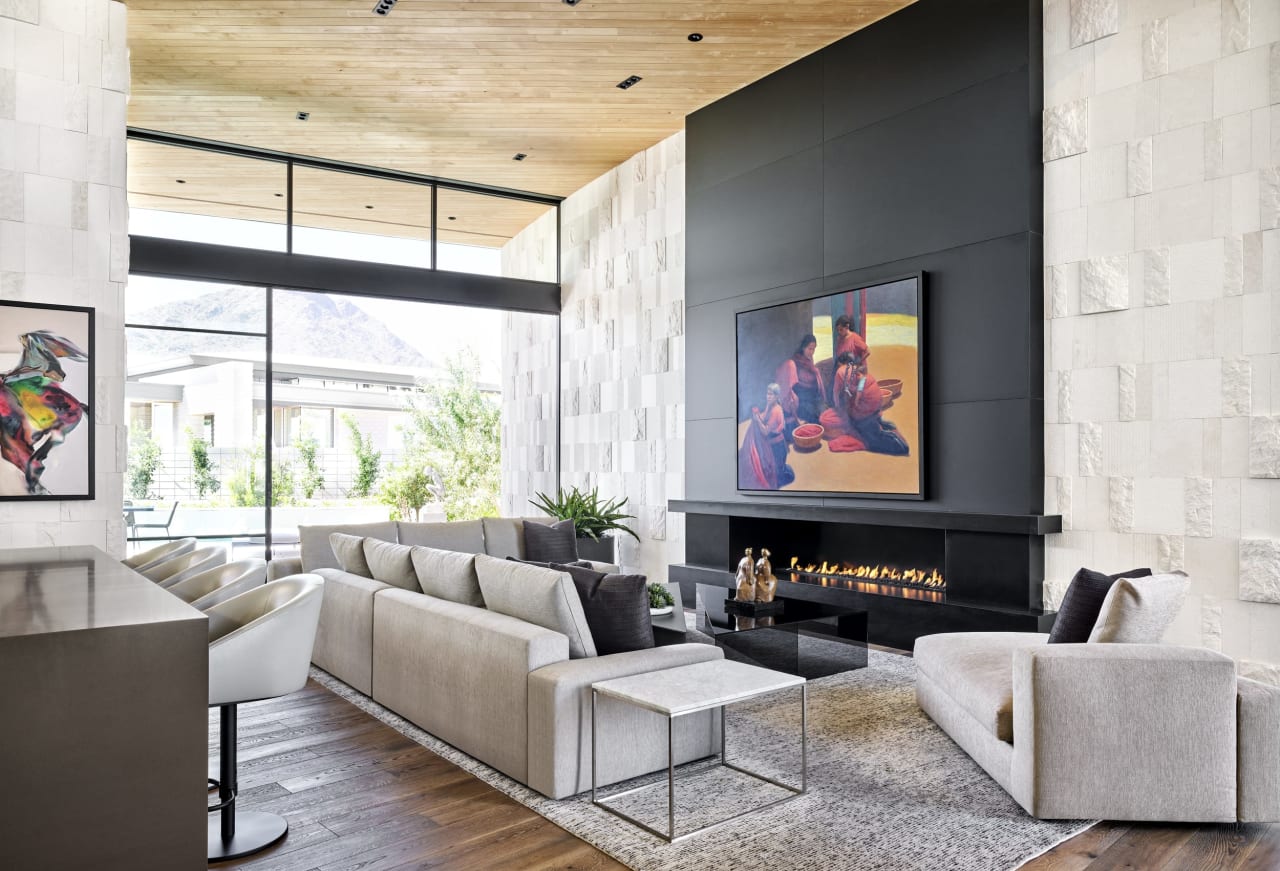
x: 670, y: 835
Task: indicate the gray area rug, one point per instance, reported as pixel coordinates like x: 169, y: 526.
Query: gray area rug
x: 888, y: 790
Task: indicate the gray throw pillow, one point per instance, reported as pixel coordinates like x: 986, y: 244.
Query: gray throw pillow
x: 616, y: 607
x: 349, y: 551
x: 1139, y: 610
x: 554, y: 543
x: 447, y: 574
x: 536, y: 595
x: 391, y: 563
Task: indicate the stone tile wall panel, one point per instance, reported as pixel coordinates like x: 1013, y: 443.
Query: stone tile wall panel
x: 1177, y: 465
x: 64, y: 80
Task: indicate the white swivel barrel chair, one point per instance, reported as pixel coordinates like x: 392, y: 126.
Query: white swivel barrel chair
x: 153, y: 556
x: 215, y: 585
x: 170, y: 572
x: 259, y: 648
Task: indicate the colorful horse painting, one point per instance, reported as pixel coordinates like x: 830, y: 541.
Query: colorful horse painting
x: 36, y: 414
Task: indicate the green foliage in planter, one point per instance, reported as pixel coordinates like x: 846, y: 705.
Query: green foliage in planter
x: 204, y: 471
x: 311, y: 478
x: 367, y: 459
x: 660, y: 596
x: 591, y: 516
x: 144, y: 463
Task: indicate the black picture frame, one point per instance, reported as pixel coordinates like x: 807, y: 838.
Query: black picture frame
x: 17, y: 319
x: 917, y: 450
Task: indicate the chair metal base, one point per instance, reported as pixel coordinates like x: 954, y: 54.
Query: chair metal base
x: 254, y: 831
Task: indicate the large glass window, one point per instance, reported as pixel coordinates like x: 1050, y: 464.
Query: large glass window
x: 358, y: 217
x: 205, y: 196
x: 197, y: 455
x: 475, y: 227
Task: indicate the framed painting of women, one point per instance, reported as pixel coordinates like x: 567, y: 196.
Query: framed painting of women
x: 830, y: 393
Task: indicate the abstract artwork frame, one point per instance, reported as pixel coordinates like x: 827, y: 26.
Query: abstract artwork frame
x: 830, y: 393
x: 47, y: 378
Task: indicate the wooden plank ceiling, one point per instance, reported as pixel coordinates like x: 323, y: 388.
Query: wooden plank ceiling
x: 450, y: 88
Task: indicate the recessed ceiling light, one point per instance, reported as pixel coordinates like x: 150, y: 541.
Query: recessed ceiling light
x: 453, y: 217
x: 627, y: 82
x: 695, y: 37
x: 279, y: 195
x: 180, y: 180
x: 571, y: 2
x: 382, y: 7
x: 368, y: 207
x: 303, y: 116
x: 519, y: 155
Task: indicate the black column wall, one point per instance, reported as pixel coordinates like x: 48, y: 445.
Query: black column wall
x: 913, y: 144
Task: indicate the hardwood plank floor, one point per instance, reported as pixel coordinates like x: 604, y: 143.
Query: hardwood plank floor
x: 359, y: 795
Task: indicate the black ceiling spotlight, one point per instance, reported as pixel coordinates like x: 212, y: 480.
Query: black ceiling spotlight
x: 453, y: 217
x: 627, y: 82
x: 383, y: 7
x: 519, y: 155
x: 571, y: 2
x: 180, y: 180
x: 695, y: 37
x: 368, y: 207
x: 303, y: 116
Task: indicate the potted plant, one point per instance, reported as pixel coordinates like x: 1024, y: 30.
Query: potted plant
x: 660, y: 600
x: 593, y: 519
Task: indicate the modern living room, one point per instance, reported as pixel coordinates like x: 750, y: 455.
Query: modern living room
x: 557, y: 434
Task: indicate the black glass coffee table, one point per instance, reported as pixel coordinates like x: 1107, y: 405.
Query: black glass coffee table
x: 799, y: 638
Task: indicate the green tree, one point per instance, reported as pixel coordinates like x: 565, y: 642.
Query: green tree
x: 283, y: 483
x: 144, y: 463
x: 204, y: 471
x: 455, y: 430
x: 407, y: 489
x: 246, y: 485
x: 367, y: 459
x: 311, y: 478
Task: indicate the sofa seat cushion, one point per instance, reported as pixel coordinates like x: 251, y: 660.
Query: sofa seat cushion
x: 976, y: 670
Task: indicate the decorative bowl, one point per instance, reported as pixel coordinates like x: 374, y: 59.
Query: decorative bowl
x: 807, y: 436
x: 658, y: 612
x: 893, y: 385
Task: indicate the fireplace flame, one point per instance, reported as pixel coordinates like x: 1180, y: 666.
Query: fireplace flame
x: 930, y: 579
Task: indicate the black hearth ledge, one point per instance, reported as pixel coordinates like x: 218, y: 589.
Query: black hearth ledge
x: 1023, y: 524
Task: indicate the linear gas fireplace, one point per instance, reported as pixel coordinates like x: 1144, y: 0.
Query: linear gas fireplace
x: 914, y: 572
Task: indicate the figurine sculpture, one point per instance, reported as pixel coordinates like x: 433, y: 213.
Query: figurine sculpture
x: 746, y: 578
x: 766, y: 583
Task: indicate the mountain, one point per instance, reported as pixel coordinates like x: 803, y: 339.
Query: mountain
x: 306, y: 324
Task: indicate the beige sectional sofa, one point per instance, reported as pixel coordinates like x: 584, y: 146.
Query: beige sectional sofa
x: 1107, y: 730
x: 500, y: 689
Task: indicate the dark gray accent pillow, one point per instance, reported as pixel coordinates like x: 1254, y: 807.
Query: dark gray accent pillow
x: 1082, y: 603
x: 616, y: 607
x: 554, y: 543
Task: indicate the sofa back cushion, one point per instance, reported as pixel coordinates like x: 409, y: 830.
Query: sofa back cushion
x: 1139, y: 610
x: 550, y: 542
x: 392, y: 564
x: 536, y: 595
x: 1082, y: 603
x: 462, y: 536
x: 314, y: 541
x: 349, y: 552
x: 616, y: 607
x: 448, y: 574
x: 504, y: 536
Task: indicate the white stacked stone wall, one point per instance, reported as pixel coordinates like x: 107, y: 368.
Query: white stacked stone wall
x: 1162, y: 282
x: 64, y: 81
x: 621, y: 359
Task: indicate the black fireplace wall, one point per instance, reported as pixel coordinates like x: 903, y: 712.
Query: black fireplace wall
x: 981, y: 568
x: 913, y: 144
